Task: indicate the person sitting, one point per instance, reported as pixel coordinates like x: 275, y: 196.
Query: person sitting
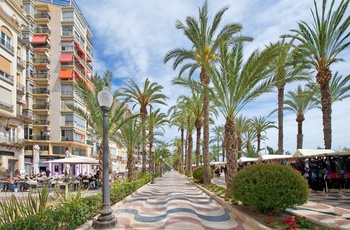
x: 11, y: 185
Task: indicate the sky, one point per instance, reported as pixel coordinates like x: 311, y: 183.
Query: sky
x: 132, y: 37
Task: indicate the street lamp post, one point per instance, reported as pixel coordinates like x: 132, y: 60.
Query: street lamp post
x: 152, y: 163
x: 106, y: 219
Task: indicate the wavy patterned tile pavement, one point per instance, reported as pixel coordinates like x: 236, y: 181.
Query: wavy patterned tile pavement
x: 174, y: 203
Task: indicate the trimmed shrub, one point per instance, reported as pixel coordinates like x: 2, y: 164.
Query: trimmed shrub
x: 198, y: 174
x: 270, y: 187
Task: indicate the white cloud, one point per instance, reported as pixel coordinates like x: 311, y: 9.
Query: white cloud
x: 132, y: 37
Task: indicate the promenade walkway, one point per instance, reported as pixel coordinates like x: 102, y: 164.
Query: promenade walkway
x: 173, y: 202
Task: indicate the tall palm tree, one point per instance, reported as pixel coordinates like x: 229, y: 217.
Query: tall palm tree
x: 130, y: 137
x: 178, y: 153
x: 149, y: 94
x: 218, y: 132
x: 260, y: 125
x: 321, y: 45
x: 299, y: 102
x: 242, y: 126
x: 249, y: 137
x: 155, y: 121
x: 235, y: 84
x: 178, y: 117
x: 93, y: 114
x: 205, y: 38
x: 285, y: 71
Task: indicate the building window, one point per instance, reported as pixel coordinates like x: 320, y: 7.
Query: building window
x: 6, y: 39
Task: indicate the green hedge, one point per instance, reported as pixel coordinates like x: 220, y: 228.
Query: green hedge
x: 198, y: 174
x: 270, y: 187
x: 75, y: 211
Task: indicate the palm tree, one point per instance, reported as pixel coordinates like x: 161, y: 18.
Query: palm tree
x: 156, y: 120
x: 285, y: 71
x: 205, y: 39
x: 299, y: 102
x: 249, y: 137
x: 149, y: 94
x: 260, y: 125
x: 242, y: 126
x: 93, y: 114
x: 320, y: 46
x: 130, y: 137
x: 177, y: 154
x: 218, y: 132
x: 234, y: 85
x: 178, y: 117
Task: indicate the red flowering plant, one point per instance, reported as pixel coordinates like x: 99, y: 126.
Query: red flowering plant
x: 297, y: 223
x: 271, y: 223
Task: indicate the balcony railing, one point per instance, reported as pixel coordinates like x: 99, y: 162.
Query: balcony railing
x: 41, y: 60
x: 41, y: 122
x: 67, y: 93
x: 41, y: 137
x: 6, y: 77
x: 42, y: 46
x: 89, y: 142
x: 42, y: 15
x: 21, y: 63
x: 41, y: 106
x: 41, y: 91
x: 41, y: 76
x: 67, y: 33
x: 43, y: 30
x: 7, y: 46
x: 21, y: 87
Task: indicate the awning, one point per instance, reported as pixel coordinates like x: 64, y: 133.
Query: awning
x: 39, y: 39
x: 66, y: 74
x: 66, y: 58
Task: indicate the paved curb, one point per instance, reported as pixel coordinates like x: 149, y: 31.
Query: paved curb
x: 247, y: 219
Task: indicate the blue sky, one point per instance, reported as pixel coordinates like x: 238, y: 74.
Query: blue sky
x: 132, y: 37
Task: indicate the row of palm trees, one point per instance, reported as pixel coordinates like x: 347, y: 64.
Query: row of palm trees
x: 229, y: 81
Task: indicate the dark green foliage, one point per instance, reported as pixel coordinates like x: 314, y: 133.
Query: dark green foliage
x: 198, y: 174
x: 73, y: 213
x: 270, y: 187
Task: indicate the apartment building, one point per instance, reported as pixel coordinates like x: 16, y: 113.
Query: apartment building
x: 45, y: 47
x: 12, y: 86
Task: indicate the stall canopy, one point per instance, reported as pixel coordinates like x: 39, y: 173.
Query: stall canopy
x: 313, y: 152
x: 273, y: 157
x: 247, y: 159
x: 75, y: 160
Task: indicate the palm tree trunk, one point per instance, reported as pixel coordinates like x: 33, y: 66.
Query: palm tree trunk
x: 130, y: 166
x: 182, y: 149
x: 143, y: 151
x: 198, y: 141
x: 231, y: 147
x: 280, y: 119
x: 323, y: 78
x: 184, y: 162
x: 300, y: 119
x: 206, y: 160
x: 189, y: 155
x: 258, y: 141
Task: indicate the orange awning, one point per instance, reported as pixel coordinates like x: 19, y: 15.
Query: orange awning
x: 66, y: 57
x: 91, y: 87
x: 65, y: 74
x: 39, y: 39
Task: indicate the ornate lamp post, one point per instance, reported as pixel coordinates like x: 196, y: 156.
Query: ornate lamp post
x: 106, y: 218
x: 153, y: 165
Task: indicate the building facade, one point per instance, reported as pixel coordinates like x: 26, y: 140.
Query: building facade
x: 12, y: 86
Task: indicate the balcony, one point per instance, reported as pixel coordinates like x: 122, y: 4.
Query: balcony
x: 12, y: 143
x: 41, y: 106
x: 21, y: 64
x: 41, y: 122
x: 6, y: 77
x: 41, y: 76
x: 43, y: 30
x: 41, y: 91
x: 89, y: 142
x: 45, y: 47
x: 21, y: 88
x: 42, y: 15
x: 41, y: 137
